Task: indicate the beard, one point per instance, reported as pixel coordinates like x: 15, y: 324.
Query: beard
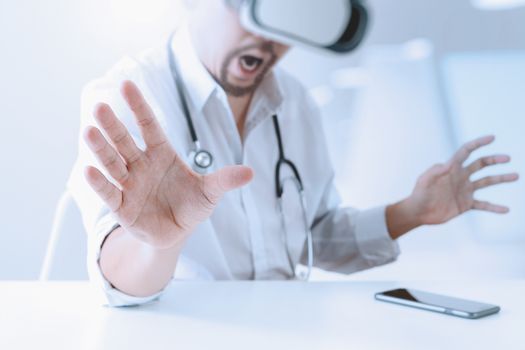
x: 236, y: 90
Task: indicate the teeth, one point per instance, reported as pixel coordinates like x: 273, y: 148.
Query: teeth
x: 250, y: 63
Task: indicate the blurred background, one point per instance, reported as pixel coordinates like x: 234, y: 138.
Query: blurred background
x: 431, y: 75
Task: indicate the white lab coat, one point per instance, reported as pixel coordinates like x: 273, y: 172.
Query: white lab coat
x: 243, y: 239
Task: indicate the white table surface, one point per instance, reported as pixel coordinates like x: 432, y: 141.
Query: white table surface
x: 257, y: 315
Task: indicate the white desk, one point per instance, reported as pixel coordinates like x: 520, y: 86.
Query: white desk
x: 260, y: 315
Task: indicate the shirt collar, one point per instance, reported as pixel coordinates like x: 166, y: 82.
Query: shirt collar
x: 270, y: 93
x: 267, y: 101
x: 199, y: 84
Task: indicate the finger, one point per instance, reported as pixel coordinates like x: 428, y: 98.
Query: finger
x: 226, y: 179
x: 148, y: 124
x: 465, y: 151
x: 495, y: 180
x: 110, y: 194
x: 493, y: 208
x: 487, y: 161
x: 106, y: 154
x: 117, y: 133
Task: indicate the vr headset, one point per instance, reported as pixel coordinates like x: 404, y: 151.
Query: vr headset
x: 333, y: 25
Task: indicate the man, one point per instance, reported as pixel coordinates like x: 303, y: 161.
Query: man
x: 151, y: 217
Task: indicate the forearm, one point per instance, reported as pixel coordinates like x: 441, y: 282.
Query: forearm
x: 348, y: 240
x: 134, y: 267
x: 401, y: 218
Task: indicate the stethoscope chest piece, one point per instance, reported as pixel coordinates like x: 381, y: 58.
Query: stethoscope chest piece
x: 201, y: 161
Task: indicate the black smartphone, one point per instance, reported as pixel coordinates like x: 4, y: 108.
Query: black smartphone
x: 438, y: 303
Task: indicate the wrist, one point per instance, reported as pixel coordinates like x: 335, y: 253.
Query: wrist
x: 145, y: 244
x: 402, y: 217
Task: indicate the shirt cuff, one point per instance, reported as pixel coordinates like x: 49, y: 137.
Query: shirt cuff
x: 373, y: 240
x: 109, y: 294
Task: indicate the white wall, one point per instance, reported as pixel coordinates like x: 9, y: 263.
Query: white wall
x: 50, y: 49
x: 486, y: 97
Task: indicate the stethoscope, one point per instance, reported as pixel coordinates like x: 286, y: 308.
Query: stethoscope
x: 202, y: 160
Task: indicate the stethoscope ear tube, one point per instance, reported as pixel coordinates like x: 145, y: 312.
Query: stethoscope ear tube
x: 300, y: 188
x: 302, y: 275
x: 283, y: 161
x: 309, y: 239
x: 201, y: 159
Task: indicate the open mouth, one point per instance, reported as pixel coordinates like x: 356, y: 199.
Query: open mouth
x: 250, y: 63
x: 247, y: 66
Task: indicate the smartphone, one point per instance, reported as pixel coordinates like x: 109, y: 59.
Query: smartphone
x: 438, y: 303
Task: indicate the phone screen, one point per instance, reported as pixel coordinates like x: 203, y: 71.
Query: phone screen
x: 439, y: 303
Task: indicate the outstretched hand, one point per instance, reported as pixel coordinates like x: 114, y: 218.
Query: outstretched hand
x: 446, y: 190
x: 153, y: 193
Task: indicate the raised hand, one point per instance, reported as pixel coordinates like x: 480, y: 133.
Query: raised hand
x: 153, y: 193
x: 446, y: 190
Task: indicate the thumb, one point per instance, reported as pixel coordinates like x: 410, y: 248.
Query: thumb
x: 227, y: 179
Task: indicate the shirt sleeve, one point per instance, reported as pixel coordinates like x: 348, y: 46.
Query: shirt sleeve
x: 347, y: 240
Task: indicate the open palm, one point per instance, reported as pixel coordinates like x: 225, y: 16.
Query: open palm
x: 446, y: 190
x: 154, y: 194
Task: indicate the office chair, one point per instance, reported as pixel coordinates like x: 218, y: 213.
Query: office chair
x: 65, y: 257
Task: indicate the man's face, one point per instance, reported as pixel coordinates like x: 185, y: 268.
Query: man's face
x: 237, y: 59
